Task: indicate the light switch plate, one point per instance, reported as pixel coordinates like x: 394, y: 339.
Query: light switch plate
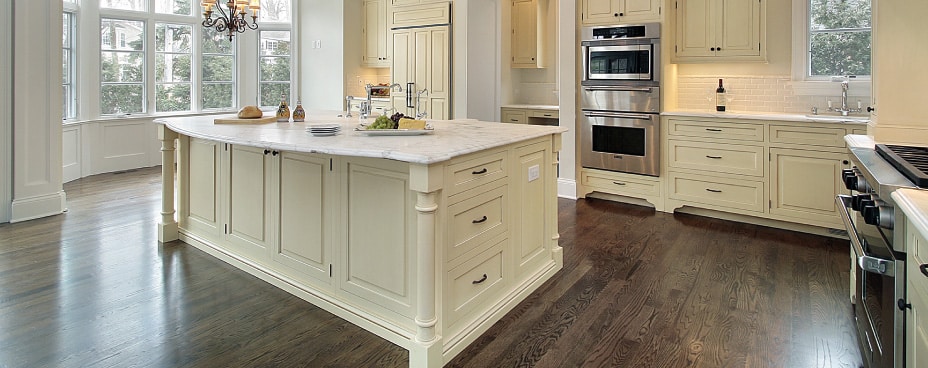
x: 534, y: 172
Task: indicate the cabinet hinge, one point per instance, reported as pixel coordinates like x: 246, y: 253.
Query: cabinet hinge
x: 676, y: 5
x: 770, y: 203
x: 769, y: 156
x: 330, y: 164
x: 225, y: 228
x: 330, y: 270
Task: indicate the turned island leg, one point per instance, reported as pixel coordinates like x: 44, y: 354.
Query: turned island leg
x: 167, y: 228
x: 427, y: 352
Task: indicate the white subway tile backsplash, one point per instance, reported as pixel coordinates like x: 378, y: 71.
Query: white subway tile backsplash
x: 755, y: 93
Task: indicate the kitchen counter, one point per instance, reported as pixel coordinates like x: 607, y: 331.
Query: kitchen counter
x: 426, y: 241
x: 450, y: 138
x: 914, y: 203
x: 532, y: 107
x: 750, y: 115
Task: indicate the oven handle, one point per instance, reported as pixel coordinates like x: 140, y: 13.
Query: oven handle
x: 621, y: 89
x: 617, y: 115
x: 867, y: 263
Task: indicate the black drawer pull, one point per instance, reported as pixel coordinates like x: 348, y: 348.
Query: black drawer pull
x: 480, y: 220
x: 481, y: 171
x: 714, y: 157
x: 924, y: 269
x: 275, y: 153
x: 267, y: 151
x: 713, y: 130
x: 713, y: 190
x: 482, y: 279
x: 618, y: 183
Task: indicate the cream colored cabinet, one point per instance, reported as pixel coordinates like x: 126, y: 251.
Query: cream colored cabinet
x: 607, y: 12
x: 719, y: 31
x: 250, y: 210
x: 514, y: 116
x: 648, y: 188
x: 530, y: 115
x: 422, y: 56
x: 306, y: 194
x: 198, y: 194
x: 375, y: 35
x: 528, y: 33
x: 803, y: 185
x: 916, y: 319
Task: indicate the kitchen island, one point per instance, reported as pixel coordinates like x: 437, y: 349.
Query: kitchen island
x: 424, y: 240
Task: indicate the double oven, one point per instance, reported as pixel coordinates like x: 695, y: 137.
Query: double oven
x: 620, y: 98
x: 875, y: 227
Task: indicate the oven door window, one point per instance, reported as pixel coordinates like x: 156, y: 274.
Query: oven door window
x: 620, y: 62
x: 619, y: 140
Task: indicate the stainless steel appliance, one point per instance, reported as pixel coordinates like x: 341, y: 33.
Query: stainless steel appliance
x: 876, y: 229
x: 620, y: 99
x: 614, y: 54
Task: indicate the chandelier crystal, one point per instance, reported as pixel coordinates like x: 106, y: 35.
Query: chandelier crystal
x: 232, y: 20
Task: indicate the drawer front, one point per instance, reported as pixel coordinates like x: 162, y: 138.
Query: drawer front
x: 713, y: 129
x: 722, y: 158
x: 514, y: 116
x: 470, y: 284
x: 475, y: 219
x: 619, y: 185
x: 548, y: 114
x: 814, y: 136
x: 720, y: 192
x: 474, y: 172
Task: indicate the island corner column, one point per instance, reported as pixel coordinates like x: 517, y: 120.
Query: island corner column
x: 426, y: 181
x: 167, y: 228
x: 556, y: 249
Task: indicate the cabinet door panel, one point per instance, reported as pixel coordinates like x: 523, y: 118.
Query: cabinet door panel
x: 248, y: 205
x: 804, y: 184
x: 695, y: 30
x: 530, y: 229
x: 201, y: 181
x: 917, y: 295
x: 524, y: 32
x: 740, y: 28
x: 373, y: 34
x: 304, y: 199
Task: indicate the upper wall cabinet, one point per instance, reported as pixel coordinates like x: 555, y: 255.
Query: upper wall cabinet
x: 528, y: 33
x: 720, y: 31
x: 606, y: 12
x: 376, y: 53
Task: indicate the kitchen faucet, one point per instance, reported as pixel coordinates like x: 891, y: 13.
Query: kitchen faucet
x: 845, y: 83
x: 369, y: 88
x: 421, y: 113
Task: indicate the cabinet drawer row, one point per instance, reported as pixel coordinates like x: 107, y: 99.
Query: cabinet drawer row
x: 755, y: 132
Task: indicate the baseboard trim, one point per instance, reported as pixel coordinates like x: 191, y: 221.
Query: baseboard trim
x: 567, y: 188
x: 31, y: 208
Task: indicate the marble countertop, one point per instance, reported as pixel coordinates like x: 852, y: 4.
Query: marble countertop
x: 779, y: 116
x: 451, y: 138
x: 914, y: 203
x: 533, y: 107
x: 859, y: 141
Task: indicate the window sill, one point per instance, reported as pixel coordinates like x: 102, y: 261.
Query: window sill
x: 137, y: 117
x: 858, y: 88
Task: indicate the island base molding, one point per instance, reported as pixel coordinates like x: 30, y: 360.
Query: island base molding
x: 426, y: 256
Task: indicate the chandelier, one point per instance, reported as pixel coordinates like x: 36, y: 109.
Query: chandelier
x: 231, y: 20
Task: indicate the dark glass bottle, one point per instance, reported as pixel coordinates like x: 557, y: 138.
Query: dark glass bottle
x: 720, y: 97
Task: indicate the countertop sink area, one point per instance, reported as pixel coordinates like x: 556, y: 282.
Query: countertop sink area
x: 780, y: 116
x: 838, y: 118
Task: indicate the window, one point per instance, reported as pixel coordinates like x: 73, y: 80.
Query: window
x: 172, y: 67
x: 181, y: 7
x: 122, y: 69
x: 275, y: 11
x: 136, y: 5
x: 218, y: 67
x: 275, y: 67
x: 69, y: 108
x: 836, y: 41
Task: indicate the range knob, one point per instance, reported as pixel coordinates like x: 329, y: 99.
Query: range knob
x: 850, y: 179
x: 878, y: 215
x: 858, y: 200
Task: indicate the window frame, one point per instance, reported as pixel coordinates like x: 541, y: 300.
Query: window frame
x: 147, y: 65
x: 70, y: 106
x: 189, y: 54
x: 810, y: 85
x: 275, y: 27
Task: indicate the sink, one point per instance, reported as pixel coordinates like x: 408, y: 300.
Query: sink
x: 838, y: 118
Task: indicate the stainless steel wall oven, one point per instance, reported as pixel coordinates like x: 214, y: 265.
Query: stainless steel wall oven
x: 620, y: 99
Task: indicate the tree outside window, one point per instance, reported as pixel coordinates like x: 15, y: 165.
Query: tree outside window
x: 839, y: 37
x: 122, y: 68
x: 218, y: 67
x: 275, y: 67
x: 172, y: 67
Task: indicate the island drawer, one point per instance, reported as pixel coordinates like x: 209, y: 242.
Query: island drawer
x: 714, y: 157
x: 715, y: 129
x: 807, y: 136
x: 473, y: 172
x: 714, y: 191
x: 474, y: 282
x: 476, y: 217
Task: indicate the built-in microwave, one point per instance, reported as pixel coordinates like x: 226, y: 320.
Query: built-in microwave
x: 620, y: 54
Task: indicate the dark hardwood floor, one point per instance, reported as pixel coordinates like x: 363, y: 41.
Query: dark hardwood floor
x: 93, y: 288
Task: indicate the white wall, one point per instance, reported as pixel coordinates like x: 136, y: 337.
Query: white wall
x: 6, y: 124
x: 37, y: 190
x: 567, y: 46
x: 322, y: 70
x: 475, y: 59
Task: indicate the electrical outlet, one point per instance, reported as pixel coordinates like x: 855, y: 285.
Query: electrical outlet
x: 534, y: 172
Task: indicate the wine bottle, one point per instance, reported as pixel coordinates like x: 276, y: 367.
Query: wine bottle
x: 720, y: 97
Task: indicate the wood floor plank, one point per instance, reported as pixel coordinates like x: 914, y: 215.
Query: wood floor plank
x: 93, y: 288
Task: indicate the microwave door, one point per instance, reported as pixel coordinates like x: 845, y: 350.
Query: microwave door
x: 628, y: 62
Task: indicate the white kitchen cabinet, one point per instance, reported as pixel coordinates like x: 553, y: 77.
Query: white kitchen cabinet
x: 609, y: 12
x: 248, y: 194
x: 529, y: 114
x: 719, y: 31
x: 916, y: 319
x: 644, y: 187
x: 422, y: 56
x: 199, y: 194
x: 375, y: 35
x: 803, y: 184
x: 514, y: 116
x: 528, y: 33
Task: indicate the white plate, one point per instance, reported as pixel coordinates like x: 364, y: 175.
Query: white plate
x: 324, y: 126
x: 324, y: 134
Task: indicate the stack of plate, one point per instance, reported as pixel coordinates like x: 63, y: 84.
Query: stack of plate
x: 321, y: 130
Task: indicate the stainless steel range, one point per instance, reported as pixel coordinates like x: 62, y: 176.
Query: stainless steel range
x: 876, y: 229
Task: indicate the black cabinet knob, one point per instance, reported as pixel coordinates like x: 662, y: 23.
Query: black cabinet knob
x: 903, y: 305
x: 621, y: 14
x: 712, y: 49
x: 870, y: 109
x: 615, y: 15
